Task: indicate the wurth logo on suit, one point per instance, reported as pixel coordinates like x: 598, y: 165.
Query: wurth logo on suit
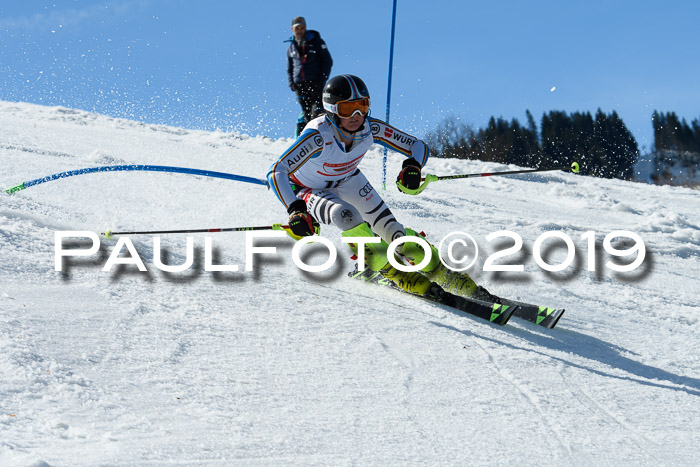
x: 400, y: 138
x: 397, y: 136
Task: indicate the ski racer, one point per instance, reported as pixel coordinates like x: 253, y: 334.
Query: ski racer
x: 318, y: 180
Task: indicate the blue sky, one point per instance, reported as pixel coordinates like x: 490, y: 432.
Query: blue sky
x: 221, y: 64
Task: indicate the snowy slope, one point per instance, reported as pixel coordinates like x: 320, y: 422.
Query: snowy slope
x: 278, y: 366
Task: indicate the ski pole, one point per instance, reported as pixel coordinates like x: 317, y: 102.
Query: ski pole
x: 574, y: 167
x: 109, y: 234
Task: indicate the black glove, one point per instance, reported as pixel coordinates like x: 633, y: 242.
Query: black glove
x: 301, y: 223
x: 409, y: 176
x: 293, y: 87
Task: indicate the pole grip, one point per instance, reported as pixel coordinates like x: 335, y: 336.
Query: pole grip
x: 429, y: 178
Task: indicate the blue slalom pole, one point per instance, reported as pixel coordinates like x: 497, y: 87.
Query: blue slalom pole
x: 122, y: 168
x: 388, y: 89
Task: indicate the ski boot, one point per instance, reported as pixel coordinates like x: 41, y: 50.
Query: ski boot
x: 411, y: 282
x: 375, y: 258
x: 485, y: 296
x: 454, y: 282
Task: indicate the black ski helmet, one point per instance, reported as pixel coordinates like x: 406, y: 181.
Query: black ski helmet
x: 343, y: 88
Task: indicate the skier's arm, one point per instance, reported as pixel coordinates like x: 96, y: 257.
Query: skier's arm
x: 391, y: 138
x: 303, y: 149
x: 290, y: 69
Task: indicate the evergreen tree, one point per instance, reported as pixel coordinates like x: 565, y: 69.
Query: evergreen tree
x: 603, y: 146
x: 557, y: 137
x: 624, y: 152
x: 532, y: 142
x: 676, y: 152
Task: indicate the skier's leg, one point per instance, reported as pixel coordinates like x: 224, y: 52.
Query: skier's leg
x: 375, y: 255
x: 380, y: 220
x: 458, y: 283
x: 354, y: 201
x: 360, y: 193
x: 327, y: 207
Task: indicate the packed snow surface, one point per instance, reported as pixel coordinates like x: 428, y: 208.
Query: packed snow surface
x: 279, y: 366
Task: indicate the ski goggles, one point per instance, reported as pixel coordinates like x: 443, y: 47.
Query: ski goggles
x: 346, y: 109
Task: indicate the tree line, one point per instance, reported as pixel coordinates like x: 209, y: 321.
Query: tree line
x: 676, y: 153
x: 602, y: 144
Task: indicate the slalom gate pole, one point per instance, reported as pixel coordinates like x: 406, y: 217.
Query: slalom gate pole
x: 574, y: 167
x: 388, y: 89
x: 126, y: 168
x: 110, y: 234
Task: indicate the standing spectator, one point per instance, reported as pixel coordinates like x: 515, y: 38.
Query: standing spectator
x: 308, y: 67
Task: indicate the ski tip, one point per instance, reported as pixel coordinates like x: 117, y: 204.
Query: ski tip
x: 556, y: 320
x: 501, y: 314
x: 552, y: 317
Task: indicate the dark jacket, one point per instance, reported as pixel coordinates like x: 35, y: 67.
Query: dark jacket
x: 309, y: 62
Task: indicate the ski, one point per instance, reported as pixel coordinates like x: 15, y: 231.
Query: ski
x: 496, y: 313
x: 544, y: 316
x: 540, y: 315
